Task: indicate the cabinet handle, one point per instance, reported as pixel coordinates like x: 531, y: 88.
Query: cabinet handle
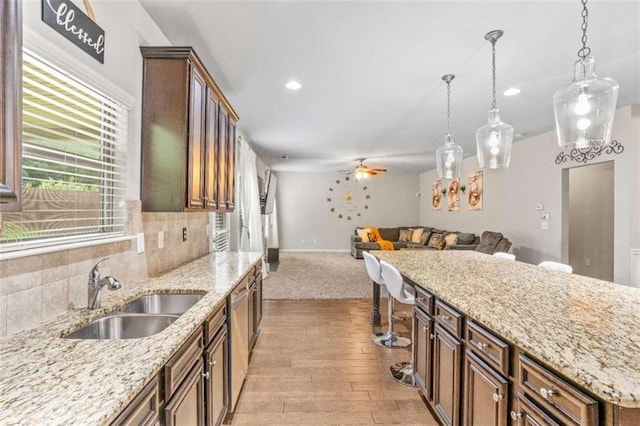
x: 497, y: 397
x: 424, y: 329
x: 432, y: 336
x: 515, y: 416
x: 205, y: 375
x: 482, y: 346
x: 445, y: 317
x: 547, y: 393
x: 213, y: 363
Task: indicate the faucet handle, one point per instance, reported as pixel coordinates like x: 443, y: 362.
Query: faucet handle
x: 94, y: 273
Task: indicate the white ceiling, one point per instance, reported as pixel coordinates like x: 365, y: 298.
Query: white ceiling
x: 371, y: 71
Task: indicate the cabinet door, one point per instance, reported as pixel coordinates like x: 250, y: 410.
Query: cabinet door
x: 144, y: 409
x: 10, y: 105
x: 252, y: 312
x: 486, y: 394
x: 197, y: 102
x: 257, y: 316
x: 211, y: 152
x: 216, y: 359
x: 447, y: 357
x: 231, y: 165
x: 186, y: 407
x: 223, y: 137
x: 423, y: 326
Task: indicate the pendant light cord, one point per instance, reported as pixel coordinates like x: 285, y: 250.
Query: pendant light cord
x: 584, y: 51
x: 448, y: 107
x: 493, y: 68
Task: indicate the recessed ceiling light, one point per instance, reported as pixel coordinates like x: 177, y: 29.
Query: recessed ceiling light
x: 283, y: 157
x: 293, y: 85
x: 511, y: 91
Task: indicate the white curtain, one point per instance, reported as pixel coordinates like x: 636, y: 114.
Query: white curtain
x: 251, y: 238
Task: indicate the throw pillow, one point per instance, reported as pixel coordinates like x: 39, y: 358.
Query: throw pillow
x: 416, y: 235
x: 465, y: 238
x: 451, y: 239
x: 372, y: 237
x: 425, y: 236
x: 441, y: 244
x: 363, y: 233
x: 405, y: 235
x: 435, y: 239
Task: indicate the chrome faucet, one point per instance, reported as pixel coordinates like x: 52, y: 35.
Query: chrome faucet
x: 95, y: 285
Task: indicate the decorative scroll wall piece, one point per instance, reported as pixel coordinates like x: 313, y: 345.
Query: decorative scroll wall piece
x: 582, y: 155
x: 436, y: 197
x: 474, y: 188
x: 453, y: 195
x: 348, y: 198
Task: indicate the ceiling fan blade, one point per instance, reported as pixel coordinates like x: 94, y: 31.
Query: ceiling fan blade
x: 379, y: 170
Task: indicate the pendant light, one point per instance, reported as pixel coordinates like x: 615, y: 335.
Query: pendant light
x: 449, y: 156
x: 585, y: 108
x: 495, y: 138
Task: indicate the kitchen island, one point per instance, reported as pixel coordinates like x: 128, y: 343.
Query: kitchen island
x: 586, y: 330
x: 46, y: 379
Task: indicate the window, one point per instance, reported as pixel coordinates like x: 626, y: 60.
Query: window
x: 221, y: 232
x: 73, y: 162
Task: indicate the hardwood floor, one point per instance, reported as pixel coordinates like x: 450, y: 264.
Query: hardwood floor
x: 314, y: 363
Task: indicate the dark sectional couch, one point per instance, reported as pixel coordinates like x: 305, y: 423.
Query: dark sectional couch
x: 489, y: 242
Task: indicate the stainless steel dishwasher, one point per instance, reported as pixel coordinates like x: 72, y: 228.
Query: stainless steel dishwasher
x: 239, y: 335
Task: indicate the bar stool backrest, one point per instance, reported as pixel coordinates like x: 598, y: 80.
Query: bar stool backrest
x: 556, y: 266
x: 373, y: 267
x: 395, y: 284
x: 504, y: 255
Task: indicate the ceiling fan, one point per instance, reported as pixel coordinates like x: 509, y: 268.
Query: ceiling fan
x: 362, y: 171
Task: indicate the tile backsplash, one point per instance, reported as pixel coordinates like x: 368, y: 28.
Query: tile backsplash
x: 36, y: 288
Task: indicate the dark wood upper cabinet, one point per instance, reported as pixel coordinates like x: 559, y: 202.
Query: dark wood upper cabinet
x: 10, y: 105
x: 231, y: 161
x: 186, y: 161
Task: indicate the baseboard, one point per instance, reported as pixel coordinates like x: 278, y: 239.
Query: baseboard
x: 314, y: 250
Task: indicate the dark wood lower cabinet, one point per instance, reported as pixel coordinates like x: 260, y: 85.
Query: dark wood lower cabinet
x: 216, y: 379
x: 423, y: 326
x: 486, y: 394
x: 186, y: 406
x: 527, y: 413
x: 447, y: 361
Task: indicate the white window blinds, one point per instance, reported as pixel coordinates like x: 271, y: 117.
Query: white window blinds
x: 221, y: 232
x: 73, y: 155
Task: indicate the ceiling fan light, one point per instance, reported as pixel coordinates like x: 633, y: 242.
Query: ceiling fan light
x: 584, y: 110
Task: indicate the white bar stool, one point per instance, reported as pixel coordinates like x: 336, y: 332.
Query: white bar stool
x: 401, y: 372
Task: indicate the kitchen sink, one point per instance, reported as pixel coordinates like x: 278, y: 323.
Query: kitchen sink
x: 123, y: 326
x: 175, y: 304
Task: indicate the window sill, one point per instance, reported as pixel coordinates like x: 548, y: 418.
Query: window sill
x: 61, y: 247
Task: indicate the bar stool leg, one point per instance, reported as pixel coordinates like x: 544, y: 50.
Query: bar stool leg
x: 402, y: 372
x: 390, y: 339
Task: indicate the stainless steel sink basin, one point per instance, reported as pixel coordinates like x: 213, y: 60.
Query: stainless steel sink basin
x: 123, y: 326
x: 175, y: 304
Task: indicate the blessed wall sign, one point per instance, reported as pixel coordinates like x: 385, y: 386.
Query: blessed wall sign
x: 67, y: 19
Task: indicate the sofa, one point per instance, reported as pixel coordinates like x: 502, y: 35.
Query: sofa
x: 429, y: 239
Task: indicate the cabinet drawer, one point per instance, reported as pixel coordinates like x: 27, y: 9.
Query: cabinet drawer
x: 179, y: 366
x: 424, y: 300
x: 491, y: 349
x: 144, y: 409
x: 526, y: 413
x: 449, y: 318
x: 213, y: 323
x: 555, y: 395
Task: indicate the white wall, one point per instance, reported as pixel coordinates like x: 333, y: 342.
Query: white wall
x: 127, y: 26
x: 305, y: 221
x: 510, y: 197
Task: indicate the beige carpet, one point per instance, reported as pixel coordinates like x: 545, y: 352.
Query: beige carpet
x: 318, y: 275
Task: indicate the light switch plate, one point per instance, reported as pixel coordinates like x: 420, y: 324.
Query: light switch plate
x: 161, y: 239
x: 544, y: 225
x: 140, y: 242
x: 539, y: 207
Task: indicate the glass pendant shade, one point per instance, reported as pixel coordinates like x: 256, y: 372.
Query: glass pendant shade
x: 449, y: 159
x: 584, y: 109
x: 494, y: 141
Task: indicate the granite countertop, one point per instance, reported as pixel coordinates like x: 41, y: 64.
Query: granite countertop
x: 45, y: 379
x: 586, y: 329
